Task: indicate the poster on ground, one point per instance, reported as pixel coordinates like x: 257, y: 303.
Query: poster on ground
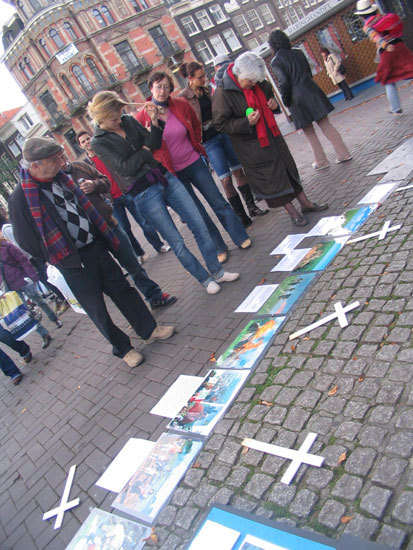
x: 288, y: 292
x: 321, y: 255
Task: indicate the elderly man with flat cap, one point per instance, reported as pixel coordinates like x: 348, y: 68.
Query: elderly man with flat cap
x: 53, y: 220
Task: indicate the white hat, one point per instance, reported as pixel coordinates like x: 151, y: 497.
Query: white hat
x: 220, y: 58
x: 365, y: 7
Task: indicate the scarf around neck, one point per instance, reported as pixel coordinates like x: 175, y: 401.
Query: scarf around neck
x: 53, y: 239
x: 256, y: 99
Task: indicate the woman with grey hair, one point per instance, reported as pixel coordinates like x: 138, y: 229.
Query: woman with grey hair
x: 242, y: 107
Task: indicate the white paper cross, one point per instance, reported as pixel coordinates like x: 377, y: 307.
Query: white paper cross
x: 59, y: 512
x: 297, y: 457
x: 340, y: 314
x: 380, y: 234
x: 405, y: 188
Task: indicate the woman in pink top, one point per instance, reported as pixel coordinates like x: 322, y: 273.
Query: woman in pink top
x: 181, y: 153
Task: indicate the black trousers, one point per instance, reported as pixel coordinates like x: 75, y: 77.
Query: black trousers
x: 101, y: 275
x: 345, y: 89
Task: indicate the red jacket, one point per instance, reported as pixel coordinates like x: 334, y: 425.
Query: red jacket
x: 114, y: 187
x: 185, y: 114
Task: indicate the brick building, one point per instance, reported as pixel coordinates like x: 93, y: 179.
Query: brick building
x: 62, y: 52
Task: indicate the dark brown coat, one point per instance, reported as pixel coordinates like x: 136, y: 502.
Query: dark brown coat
x: 271, y: 171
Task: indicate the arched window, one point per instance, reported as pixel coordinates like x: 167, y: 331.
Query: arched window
x: 81, y: 78
x: 28, y: 64
x: 94, y: 69
x: 68, y: 27
x: 107, y: 15
x: 57, y: 39
x: 99, y: 18
x: 35, y: 4
x: 68, y: 85
x: 9, y: 37
x: 23, y: 69
x: 44, y: 47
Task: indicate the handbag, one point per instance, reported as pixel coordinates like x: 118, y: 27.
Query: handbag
x: 341, y: 69
x: 14, y: 315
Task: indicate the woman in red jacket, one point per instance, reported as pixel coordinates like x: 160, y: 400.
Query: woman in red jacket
x: 181, y: 153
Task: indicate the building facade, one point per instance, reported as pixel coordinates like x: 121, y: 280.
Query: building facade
x: 62, y: 52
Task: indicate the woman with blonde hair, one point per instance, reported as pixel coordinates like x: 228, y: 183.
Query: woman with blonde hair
x: 125, y: 147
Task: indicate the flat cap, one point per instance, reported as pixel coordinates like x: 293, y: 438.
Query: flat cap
x: 220, y: 58
x: 38, y: 148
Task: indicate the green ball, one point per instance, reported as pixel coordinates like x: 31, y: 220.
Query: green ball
x: 249, y: 111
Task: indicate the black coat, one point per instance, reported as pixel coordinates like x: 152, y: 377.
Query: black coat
x: 306, y: 101
x: 127, y: 156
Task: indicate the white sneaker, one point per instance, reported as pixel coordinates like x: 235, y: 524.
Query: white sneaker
x: 164, y: 249
x: 227, y: 277
x: 213, y: 288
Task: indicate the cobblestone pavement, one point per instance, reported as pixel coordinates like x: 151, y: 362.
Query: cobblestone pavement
x: 79, y: 405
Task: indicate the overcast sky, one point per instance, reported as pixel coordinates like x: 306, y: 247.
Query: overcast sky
x: 10, y: 94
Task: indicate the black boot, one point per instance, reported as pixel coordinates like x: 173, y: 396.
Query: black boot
x: 238, y: 207
x: 253, y: 209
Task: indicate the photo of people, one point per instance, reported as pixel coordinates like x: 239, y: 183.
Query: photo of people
x: 249, y: 344
x: 104, y: 531
x: 153, y: 482
x: 283, y: 299
x: 210, y: 401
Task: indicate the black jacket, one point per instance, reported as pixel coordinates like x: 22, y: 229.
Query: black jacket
x: 306, y: 101
x: 127, y: 156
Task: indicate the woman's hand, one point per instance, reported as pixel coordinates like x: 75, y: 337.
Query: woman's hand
x: 253, y: 118
x: 272, y: 104
x: 87, y: 186
x: 152, y: 111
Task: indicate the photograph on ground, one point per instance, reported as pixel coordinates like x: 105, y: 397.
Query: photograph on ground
x: 153, y: 482
x: 109, y: 531
x: 321, y: 255
x: 283, y: 299
x: 250, y: 344
x: 210, y: 401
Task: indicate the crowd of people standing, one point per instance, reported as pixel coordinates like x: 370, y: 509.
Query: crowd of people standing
x: 73, y: 214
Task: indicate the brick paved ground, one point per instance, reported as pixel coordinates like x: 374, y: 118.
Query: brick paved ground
x: 79, y: 405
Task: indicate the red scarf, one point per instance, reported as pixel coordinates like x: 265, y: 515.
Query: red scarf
x: 256, y: 99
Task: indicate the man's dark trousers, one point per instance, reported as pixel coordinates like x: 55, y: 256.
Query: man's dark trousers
x: 100, y: 275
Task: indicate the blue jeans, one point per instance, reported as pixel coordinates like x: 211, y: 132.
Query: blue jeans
x: 8, y: 339
x: 393, y: 97
x: 119, y: 211
x: 200, y: 177
x: 222, y: 155
x: 152, y: 205
x: 8, y: 366
x: 129, y: 261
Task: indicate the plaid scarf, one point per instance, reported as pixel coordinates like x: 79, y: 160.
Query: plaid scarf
x: 256, y: 99
x: 52, y: 237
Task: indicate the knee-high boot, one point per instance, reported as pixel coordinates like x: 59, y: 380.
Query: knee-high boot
x: 253, y: 209
x: 238, y: 207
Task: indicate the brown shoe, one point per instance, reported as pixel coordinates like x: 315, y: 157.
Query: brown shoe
x: 222, y: 257
x: 28, y: 357
x: 161, y: 333
x: 246, y: 244
x: 133, y: 358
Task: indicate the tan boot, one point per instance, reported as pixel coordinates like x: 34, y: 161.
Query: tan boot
x: 133, y: 358
x: 246, y: 244
x: 161, y: 333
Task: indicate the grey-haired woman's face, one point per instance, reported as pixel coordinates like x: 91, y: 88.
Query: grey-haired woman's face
x: 246, y: 83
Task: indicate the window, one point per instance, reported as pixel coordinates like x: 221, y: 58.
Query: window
x: 96, y: 13
x: 68, y: 27
x: 44, y: 47
x: 242, y: 26
x: 279, y: 4
x: 127, y: 55
x: 57, y: 39
x: 72, y: 140
x: 81, y: 78
x: 231, y: 39
x: 19, y: 139
x: 94, y: 69
x: 309, y: 54
x: 161, y: 40
x: 204, y: 19
x: 293, y: 15
x: 144, y: 88
x: 20, y: 7
x: 354, y: 26
x: 9, y: 37
x: 24, y: 70
x: 218, y: 44
x: 69, y: 86
x: 204, y: 51
x: 255, y: 21
x: 136, y: 6
x: 328, y: 38
x: 26, y: 121
x: 107, y: 15
x: 14, y: 148
x: 253, y: 43
x: 217, y: 14
x: 266, y: 13
x: 264, y: 37
x: 35, y: 4
x: 189, y: 25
